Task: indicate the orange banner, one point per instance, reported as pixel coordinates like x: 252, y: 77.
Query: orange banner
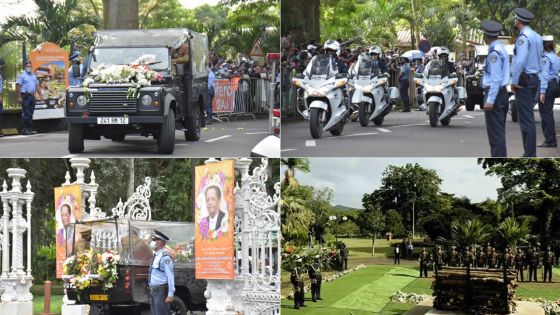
x: 224, y: 95
x: 50, y: 65
x: 67, y: 201
x: 213, y: 217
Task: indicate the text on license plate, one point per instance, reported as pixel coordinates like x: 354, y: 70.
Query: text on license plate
x: 112, y: 120
x: 98, y: 297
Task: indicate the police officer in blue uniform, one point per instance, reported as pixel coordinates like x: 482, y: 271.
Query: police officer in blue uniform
x: 549, y: 86
x: 75, y: 70
x: 525, y: 71
x: 161, y: 280
x: 1, y: 90
x: 404, y: 84
x: 494, y: 82
x: 26, y: 86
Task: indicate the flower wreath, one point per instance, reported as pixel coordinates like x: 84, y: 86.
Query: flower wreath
x: 91, y: 268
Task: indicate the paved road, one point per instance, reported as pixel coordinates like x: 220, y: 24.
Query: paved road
x: 410, y: 135
x: 227, y: 139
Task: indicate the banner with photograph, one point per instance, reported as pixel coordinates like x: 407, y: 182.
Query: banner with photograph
x: 213, y: 214
x: 224, y: 95
x: 67, y: 204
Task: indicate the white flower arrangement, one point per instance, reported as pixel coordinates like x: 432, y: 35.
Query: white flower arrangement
x: 411, y: 298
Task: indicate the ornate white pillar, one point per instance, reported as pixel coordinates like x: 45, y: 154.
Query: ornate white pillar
x: 17, y: 220
x: 5, y: 231
x: 29, y: 195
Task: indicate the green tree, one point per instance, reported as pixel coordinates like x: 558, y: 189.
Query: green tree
x: 393, y: 223
x: 512, y: 232
x: 469, y: 233
x: 295, y: 214
x: 292, y: 165
x: 54, y: 22
x: 371, y: 223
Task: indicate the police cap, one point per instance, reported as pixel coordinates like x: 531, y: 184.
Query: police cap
x: 160, y: 236
x: 491, y: 28
x: 524, y: 15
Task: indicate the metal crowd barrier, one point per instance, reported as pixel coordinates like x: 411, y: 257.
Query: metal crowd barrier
x: 245, y: 97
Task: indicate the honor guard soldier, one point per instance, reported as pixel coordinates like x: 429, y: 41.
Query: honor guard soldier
x: 454, y: 258
x: 548, y: 261
x: 525, y: 71
x: 533, y: 264
x: 549, y: 86
x: 480, y: 258
x: 492, y: 258
x: 424, y: 257
x: 519, y: 263
x: 508, y: 258
x: 161, y: 279
x: 440, y: 258
x: 494, y: 81
x: 316, y: 279
x: 468, y: 259
x: 297, y: 281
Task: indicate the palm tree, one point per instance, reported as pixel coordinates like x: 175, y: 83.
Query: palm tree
x: 469, y: 233
x: 293, y: 164
x: 512, y: 232
x: 53, y: 23
x: 295, y: 215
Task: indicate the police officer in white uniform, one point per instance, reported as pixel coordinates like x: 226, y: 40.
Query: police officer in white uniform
x: 525, y: 71
x: 161, y: 279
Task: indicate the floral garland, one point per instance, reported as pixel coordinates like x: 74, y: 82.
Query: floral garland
x: 80, y: 268
x: 138, y: 73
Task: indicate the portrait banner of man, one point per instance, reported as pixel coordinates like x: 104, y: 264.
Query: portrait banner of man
x: 213, y: 215
x: 67, y: 203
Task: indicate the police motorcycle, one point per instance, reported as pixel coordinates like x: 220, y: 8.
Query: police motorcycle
x: 372, y: 95
x: 438, y: 92
x: 324, y: 94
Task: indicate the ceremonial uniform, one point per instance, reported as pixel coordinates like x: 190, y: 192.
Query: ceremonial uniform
x: 492, y: 259
x: 519, y: 264
x: 299, y: 286
x: 549, y: 85
x: 480, y: 259
x: 316, y: 279
x: 344, y: 256
x: 454, y: 259
x: 468, y: 259
x: 161, y: 279
x: 440, y: 259
x: 494, y: 82
x: 424, y: 263
x: 525, y: 69
x: 548, y: 261
x: 533, y: 265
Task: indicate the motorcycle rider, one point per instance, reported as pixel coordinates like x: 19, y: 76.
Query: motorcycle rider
x: 375, y: 53
x: 443, y: 54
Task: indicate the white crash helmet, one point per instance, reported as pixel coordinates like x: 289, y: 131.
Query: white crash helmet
x: 332, y: 45
x: 374, y: 50
x: 443, y: 51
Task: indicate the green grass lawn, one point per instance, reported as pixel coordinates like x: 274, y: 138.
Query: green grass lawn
x: 56, y: 304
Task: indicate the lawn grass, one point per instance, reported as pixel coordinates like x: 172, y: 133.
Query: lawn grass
x: 56, y: 304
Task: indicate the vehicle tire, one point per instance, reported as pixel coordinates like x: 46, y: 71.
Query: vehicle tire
x: 316, y: 123
x: 378, y: 121
x: 192, y: 124
x: 513, y: 110
x: 470, y: 105
x: 337, y: 131
x: 446, y: 121
x: 363, y: 114
x: 178, y: 307
x: 433, y: 113
x: 75, y: 138
x: 166, y: 139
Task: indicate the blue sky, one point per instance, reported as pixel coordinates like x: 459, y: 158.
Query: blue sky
x: 350, y: 178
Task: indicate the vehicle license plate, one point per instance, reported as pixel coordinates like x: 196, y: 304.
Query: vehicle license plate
x: 99, y: 297
x: 112, y: 120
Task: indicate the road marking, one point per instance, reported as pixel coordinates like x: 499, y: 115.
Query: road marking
x: 467, y: 122
x: 468, y: 116
x: 360, y: 134
x: 310, y: 143
x: 13, y: 137
x: 383, y: 130
x: 256, y: 133
x: 218, y: 138
x: 287, y: 150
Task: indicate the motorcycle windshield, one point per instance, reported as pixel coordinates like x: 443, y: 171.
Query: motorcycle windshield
x: 368, y: 67
x: 322, y: 65
x: 437, y: 70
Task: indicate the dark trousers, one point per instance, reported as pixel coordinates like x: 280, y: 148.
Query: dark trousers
x: 525, y: 99
x: 28, y: 108
x: 209, y: 106
x: 547, y: 113
x: 403, y: 90
x: 316, y: 289
x: 344, y: 263
x: 496, y: 123
x: 520, y: 273
x: 423, y: 270
x: 299, y: 294
x: 547, y: 272
x: 1, y: 113
x: 397, y: 259
x: 532, y: 272
x: 157, y: 301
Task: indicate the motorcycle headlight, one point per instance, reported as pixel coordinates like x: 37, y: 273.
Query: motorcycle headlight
x: 147, y: 100
x: 81, y: 100
x: 317, y: 92
x: 367, y: 88
x: 381, y: 81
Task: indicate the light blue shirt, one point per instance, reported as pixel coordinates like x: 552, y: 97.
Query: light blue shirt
x: 405, y: 70
x: 211, y: 79
x: 161, y: 271
x: 528, y: 53
x: 496, y: 70
x: 75, y: 81
x: 28, y: 82
x: 550, y: 67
